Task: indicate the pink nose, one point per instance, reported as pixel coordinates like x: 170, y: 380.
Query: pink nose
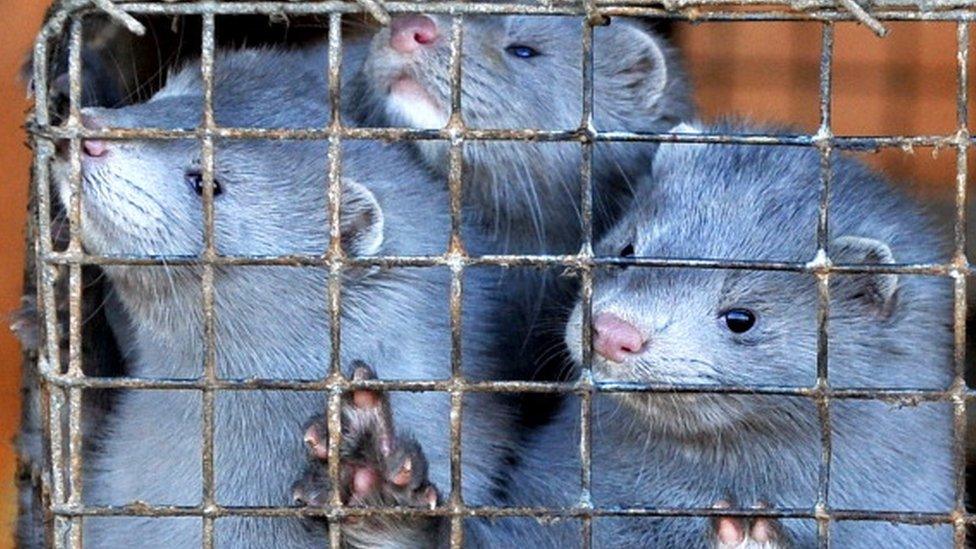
x: 615, y: 339
x: 408, y: 33
x: 93, y: 147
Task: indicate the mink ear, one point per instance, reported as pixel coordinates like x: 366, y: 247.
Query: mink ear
x: 876, y: 290
x: 102, y: 84
x: 685, y: 127
x: 361, y: 226
x: 670, y: 155
x: 631, y: 65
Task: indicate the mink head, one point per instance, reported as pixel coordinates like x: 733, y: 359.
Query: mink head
x: 723, y: 327
x: 524, y: 72
x: 144, y: 197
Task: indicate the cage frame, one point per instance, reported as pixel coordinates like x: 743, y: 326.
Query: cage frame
x: 62, y: 389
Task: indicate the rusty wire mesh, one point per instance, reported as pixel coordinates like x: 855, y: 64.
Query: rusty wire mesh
x: 63, y: 384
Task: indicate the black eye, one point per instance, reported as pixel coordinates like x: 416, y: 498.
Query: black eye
x: 627, y: 251
x: 739, y: 321
x: 195, y: 180
x: 522, y: 51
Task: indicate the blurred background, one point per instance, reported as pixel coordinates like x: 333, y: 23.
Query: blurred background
x: 19, y: 20
x: 902, y: 84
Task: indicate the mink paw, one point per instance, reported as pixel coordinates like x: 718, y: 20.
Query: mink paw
x: 378, y: 466
x: 745, y: 532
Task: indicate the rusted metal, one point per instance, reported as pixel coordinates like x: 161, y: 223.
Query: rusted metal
x: 514, y: 260
x: 334, y: 256
x: 64, y: 383
x: 821, y: 265
x: 696, y: 10
x: 143, y: 510
x: 905, y: 396
x: 579, y: 135
x: 586, y: 279
x: 959, y: 271
x: 455, y: 259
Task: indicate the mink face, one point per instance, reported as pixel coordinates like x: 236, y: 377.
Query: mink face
x: 521, y: 72
x: 144, y: 197
x: 526, y: 72
x: 721, y: 327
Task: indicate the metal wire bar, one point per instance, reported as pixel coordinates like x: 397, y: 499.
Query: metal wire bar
x: 74, y: 280
x: 207, y: 281
x: 822, y: 506
x: 856, y: 143
x: 455, y: 256
x: 864, y: 17
x: 586, y: 278
x: 905, y: 396
x: 694, y: 10
x: 517, y: 260
x: 335, y: 256
x: 143, y: 510
x: 960, y: 263
x: 49, y: 354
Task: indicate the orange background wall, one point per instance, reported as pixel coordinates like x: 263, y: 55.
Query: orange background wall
x: 19, y: 20
x: 902, y: 84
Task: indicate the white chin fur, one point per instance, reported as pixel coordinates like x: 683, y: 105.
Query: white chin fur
x: 417, y: 109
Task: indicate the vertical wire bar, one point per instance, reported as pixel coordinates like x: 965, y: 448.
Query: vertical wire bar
x: 57, y: 394
x: 48, y: 354
x: 74, y: 279
x: 49, y: 359
x: 824, y: 136
x: 959, y: 271
x: 335, y: 255
x: 585, y: 256
x: 209, y: 255
x: 456, y: 256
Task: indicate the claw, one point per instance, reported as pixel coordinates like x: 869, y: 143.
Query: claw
x: 364, y: 398
x: 316, y: 442
x: 310, y: 492
x: 430, y: 496
x: 403, y: 476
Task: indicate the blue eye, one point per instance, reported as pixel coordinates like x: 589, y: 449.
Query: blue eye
x: 521, y: 51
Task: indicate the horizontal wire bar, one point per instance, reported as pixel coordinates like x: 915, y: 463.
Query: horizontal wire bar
x: 216, y: 511
x: 852, y: 142
x: 697, y: 10
x: 506, y: 261
x: 889, y: 394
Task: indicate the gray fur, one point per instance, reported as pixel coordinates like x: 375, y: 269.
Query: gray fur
x: 271, y: 322
x: 527, y: 194
x: 761, y: 202
x: 669, y: 450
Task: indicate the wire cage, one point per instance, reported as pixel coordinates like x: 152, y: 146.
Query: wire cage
x: 61, y: 377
